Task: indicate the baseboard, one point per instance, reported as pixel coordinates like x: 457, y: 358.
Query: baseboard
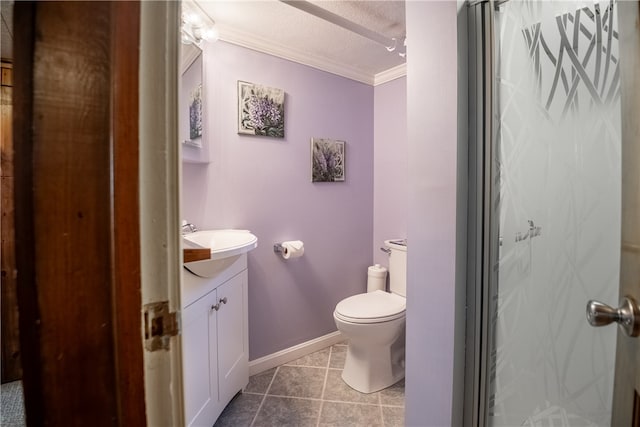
x: 292, y: 353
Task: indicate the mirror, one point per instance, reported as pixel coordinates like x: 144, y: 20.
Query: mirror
x: 190, y: 96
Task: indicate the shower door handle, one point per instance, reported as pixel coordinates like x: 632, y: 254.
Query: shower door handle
x: 627, y: 315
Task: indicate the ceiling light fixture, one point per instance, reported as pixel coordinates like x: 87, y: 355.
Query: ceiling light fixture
x: 390, y: 43
x: 196, y: 25
x: 402, y: 50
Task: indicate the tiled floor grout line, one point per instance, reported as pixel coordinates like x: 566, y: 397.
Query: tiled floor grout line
x: 315, y: 399
x: 255, y: 417
x: 324, y: 385
x: 312, y: 366
x: 306, y: 366
x: 352, y: 403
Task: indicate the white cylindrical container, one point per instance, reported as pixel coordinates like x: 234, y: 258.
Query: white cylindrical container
x: 377, y: 278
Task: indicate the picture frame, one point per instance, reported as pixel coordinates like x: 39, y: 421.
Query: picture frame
x: 260, y: 110
x: 328, y: 160
x: 195, y: 114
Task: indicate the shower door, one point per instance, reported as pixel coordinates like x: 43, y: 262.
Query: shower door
x: 556, y: 188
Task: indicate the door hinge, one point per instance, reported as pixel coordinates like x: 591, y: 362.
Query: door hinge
x: 159, y: 326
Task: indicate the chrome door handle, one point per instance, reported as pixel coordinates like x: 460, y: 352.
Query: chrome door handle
x: 627, y: 315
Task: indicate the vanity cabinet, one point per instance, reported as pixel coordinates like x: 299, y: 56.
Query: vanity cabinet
x: 214, y: 340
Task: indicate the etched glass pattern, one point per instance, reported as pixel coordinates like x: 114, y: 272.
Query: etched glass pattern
x: 558, y: 115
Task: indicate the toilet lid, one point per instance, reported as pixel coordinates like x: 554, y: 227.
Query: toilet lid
x: 372, y: 307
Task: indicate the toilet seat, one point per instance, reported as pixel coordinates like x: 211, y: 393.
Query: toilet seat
x: 372, y: 307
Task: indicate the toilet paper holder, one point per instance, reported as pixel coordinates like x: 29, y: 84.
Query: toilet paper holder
x: 289, y: 249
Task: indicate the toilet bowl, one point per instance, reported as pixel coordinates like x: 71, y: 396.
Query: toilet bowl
x: 374, y: 323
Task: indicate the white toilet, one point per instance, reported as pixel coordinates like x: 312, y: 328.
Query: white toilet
x: 374, y: 323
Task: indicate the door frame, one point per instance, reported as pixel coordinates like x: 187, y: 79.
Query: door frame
x: 160, y: 163
x: 626, y: 386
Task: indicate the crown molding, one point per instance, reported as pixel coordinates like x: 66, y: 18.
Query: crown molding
x: 189, y: 55
x: 390, y: 74
x: 249, y: 41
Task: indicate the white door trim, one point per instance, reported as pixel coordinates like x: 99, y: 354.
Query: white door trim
x: 159, y: 200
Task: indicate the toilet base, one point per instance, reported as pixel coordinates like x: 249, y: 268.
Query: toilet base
x: 368, y: 369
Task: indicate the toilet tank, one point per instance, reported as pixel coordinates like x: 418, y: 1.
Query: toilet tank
x: 397, y: 266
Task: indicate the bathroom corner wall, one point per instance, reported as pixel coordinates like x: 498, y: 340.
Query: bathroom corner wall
x: 433, y: 208
x: 390, y: 162
x: 264, y: 185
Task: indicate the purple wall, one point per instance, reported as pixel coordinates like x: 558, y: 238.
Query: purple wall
x: 264, y: 185
x: 390, y: 162
x: 432, y: 97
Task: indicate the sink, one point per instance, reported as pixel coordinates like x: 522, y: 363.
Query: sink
x: 225, y: 245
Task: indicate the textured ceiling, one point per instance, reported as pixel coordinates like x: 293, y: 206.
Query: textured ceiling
x: 278, y: 28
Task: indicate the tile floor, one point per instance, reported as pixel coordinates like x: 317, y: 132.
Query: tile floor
x: 11, y: 406
x: 310, y: 392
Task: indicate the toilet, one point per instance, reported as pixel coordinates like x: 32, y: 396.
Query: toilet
x: 374, y: 323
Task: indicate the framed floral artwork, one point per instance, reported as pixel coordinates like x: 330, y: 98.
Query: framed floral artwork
x: 195, y: 113
x: 327, y: 160
x: 260, y: 110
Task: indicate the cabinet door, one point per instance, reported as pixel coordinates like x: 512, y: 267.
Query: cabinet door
x: 200, y: 361
x: 233, y: 354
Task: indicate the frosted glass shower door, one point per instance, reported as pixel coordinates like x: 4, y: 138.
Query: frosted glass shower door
x: 558, y: 146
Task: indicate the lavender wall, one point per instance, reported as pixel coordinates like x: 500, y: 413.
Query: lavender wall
x: 433, y: 209
x: 390, y: 180
x: 263, y: 184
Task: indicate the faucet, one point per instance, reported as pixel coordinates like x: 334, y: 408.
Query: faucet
x: 187, y: 227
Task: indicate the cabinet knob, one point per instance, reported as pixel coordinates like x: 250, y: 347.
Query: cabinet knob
x: 215, y: 307
x: 223, y: 300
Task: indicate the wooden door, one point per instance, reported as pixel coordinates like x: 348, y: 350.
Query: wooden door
x: 76, y: 197
x: 626, y: 400
x: 11, y: 368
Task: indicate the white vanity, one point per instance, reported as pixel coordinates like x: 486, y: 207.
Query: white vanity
x: 214, y: 323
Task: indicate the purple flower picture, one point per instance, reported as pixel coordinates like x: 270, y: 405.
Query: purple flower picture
x: 260, y: 110
x: 327, y: 160
x: 195, y: 113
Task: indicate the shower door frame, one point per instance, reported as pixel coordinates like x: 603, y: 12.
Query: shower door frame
x: 483, y: 235
x: 483, y: 212
x: 481, y: 222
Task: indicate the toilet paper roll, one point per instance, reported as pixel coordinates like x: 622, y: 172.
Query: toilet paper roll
x: 292, y: 249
